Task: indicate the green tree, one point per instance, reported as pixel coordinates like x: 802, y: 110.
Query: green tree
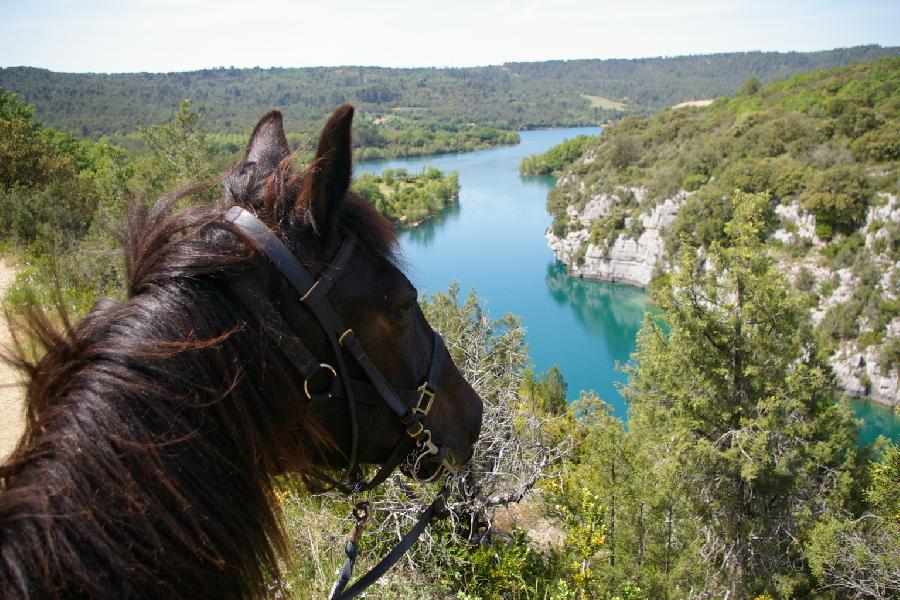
x: 551, y: 391
x: 860, y: 557
x: 178, y: 154
x: 839, y: 197
x: 736, y: 413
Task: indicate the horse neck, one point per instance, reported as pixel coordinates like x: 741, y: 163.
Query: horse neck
x: 150, y: 474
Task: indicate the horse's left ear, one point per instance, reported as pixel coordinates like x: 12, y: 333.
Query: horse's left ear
x: 328, y: 179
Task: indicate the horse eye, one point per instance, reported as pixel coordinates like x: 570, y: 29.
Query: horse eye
x: 404, y: 313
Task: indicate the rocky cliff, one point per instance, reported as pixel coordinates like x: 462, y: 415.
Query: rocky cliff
x: 628, y: 260
x: 635, y: 259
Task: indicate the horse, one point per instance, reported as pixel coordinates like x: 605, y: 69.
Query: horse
x: 158, y: 428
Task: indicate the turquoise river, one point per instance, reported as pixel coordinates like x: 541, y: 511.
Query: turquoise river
x: 493, y: 242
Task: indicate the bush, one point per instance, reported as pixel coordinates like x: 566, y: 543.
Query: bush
x: 805, y: 280
x: 841, y: 321
x: 839, y: 197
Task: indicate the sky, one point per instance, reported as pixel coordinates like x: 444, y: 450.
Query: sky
x: 179, y: 35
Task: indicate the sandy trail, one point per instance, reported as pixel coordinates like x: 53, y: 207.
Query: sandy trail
x: 12, y: 412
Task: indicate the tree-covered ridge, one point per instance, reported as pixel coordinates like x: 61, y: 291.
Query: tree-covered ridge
x: 824, y: 146
x: 510, y: 96
x: 406, y: 198
x: 385, y: 137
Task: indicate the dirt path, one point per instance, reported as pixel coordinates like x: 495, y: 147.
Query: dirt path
x: 12, y: 417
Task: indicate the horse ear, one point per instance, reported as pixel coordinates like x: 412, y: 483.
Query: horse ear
x: 267, y: 148
x: 268, y: 145
x: 328, y: 178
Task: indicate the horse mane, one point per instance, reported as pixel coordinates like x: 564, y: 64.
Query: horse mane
x: 155, y: 426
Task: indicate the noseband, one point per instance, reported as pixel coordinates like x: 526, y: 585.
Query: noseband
x: 410, y: 405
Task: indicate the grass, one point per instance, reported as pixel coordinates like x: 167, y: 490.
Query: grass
x: 604, y: 103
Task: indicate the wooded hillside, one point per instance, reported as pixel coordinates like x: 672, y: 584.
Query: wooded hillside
x: 509, y: 96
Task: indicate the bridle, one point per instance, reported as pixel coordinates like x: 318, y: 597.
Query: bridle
x: 410, y: 406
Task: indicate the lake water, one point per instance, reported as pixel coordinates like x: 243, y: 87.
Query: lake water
x: 493, y: 242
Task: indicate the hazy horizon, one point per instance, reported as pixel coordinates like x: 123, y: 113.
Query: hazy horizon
x: 128, y: 36
x: 474, y: 66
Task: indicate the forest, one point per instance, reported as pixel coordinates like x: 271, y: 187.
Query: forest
x: 739, y: 474
x: 507, y: 97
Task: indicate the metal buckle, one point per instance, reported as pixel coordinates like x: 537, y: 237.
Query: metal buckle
x: 428, y: 449
x: 306, y: 381
x: 424, y: 392
x: 427, y: 445
x: 417, y: 433
x: 343, y: 335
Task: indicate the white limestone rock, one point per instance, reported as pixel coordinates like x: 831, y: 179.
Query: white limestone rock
x: 805, y: 224
x: 890, y: 212
x: 859, y: 374
x: 627, y: 260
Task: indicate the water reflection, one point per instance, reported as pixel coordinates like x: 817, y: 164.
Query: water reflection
x: 877, y: 420
x: 613, y: 311
x: 544, y: 182
x: 425, y: 233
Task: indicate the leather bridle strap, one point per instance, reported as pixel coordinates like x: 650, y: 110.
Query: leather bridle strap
x: 314, y: 295
x: 306, y: 286
x: 436, y: 509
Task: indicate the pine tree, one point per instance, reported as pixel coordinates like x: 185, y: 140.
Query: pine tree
x: 736, y: 417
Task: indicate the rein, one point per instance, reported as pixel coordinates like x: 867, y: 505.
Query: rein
x: 410, y: 406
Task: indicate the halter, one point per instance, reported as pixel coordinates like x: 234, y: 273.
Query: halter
x: 410, y: 406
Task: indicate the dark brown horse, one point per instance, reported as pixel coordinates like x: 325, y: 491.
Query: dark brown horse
x: 155, y: 427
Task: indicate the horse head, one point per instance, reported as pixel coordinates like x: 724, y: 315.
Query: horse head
x: 374, y: 345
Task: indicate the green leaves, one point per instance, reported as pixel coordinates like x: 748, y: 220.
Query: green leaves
x: 408, y: 199
x: 733, y: 413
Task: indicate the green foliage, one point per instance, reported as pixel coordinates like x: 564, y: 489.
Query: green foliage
x: 178, y: 154
x: 556, y: 159
x: 890, y: 353
x: 860, y: 557
x: 840, y: 322
x: 508, y: 568
x: 396, y: 137
x: 62, y: 210
x: 550, y: 392
x: 805, y: 281
x: 736, y: 416
x: 839, y: 197
x: 409, y: 199
x: 750, y: 87
x: 883, y: 494
x: 824, y: 139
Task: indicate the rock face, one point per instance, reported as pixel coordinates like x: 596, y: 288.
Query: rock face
x: 636, y: 261
x: 802, y: 222
x: 627, y: 260
x: 860, y: 375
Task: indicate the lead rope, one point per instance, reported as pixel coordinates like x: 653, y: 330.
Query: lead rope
x: 437, y: 509
x: 360, y: 512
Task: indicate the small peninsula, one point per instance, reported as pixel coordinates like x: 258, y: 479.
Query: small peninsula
x: 408, y: 199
